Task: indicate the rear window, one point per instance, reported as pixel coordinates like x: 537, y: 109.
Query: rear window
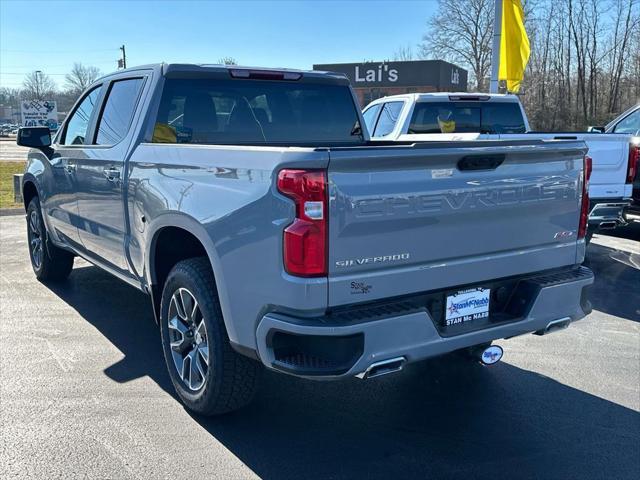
x: 213, y: 111
x: 467, y: 117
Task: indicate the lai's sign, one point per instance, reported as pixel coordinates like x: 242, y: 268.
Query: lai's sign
x: 437, y: 74
x: 39, y: 113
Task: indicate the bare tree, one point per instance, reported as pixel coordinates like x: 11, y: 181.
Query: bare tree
x: 584, y: 67
x: 626, y: 22
x: 403, y: 53
x: 461, y: 32
x: 9, y: 96
x: 227, y: 61
x: 81, y: 77
x: 37, y: 86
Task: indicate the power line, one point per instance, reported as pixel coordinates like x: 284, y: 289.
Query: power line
x: 57, y: 51
x: 110, y: 60
x: 27, y: 73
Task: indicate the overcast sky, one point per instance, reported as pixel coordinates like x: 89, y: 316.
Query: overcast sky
x: 50, y: 36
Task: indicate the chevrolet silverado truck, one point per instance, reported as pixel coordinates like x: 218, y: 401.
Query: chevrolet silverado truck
x: 468, y: 116
x: 269, y: 231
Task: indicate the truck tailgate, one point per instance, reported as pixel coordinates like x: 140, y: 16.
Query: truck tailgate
x: 413, y: 218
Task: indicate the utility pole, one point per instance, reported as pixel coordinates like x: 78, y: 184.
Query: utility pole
x: 495, y: 49
x: 38, y: 75
x: 123, y: 61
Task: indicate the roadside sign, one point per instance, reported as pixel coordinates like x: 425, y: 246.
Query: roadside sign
x: 39, y: 113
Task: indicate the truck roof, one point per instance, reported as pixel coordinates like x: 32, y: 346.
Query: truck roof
x: 207, y: 68
x: 436, y: 96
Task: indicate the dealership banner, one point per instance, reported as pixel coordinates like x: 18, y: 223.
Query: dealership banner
x: 39, y: 113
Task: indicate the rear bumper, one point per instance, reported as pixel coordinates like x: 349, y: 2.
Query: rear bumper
x: 606, y: 214
x: 326, y: 349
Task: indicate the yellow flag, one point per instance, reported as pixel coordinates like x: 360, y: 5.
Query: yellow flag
x: 514, y: 45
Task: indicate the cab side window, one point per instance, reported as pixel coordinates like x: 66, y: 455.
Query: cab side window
x: 388, y: 118
x: 118, y: 111
x: 78, y: 124
x: 370, y: 116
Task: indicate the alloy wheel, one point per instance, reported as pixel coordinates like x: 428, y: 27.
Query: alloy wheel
x: 35, y: 239
x: 188, y: 339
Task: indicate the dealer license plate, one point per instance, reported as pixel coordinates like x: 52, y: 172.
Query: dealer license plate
x: 467, y: 305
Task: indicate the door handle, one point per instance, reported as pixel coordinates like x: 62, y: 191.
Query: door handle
x: 70, y: 168
x: 112, y: 174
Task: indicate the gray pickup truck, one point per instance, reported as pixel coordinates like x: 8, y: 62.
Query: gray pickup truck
x: 268, y: 230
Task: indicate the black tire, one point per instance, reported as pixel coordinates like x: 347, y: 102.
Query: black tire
x: 231, y: 379
x: 588, y: 236
x: 49, y: 263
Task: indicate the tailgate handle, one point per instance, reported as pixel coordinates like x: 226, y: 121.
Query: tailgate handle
x: 480, y: 162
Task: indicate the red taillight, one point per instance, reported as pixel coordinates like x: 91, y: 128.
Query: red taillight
x: 584, y: 206
x: 305, y: 240
x: 634, y: 160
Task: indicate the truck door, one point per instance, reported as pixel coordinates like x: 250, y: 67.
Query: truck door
x: 100, y: 175
x: 60, y: 206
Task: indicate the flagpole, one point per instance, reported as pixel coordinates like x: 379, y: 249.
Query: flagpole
x: 495, y: 49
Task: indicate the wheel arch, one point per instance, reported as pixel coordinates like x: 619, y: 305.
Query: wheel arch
x: 176, y: 237
x: 34, y: 180
x: 29, y: 190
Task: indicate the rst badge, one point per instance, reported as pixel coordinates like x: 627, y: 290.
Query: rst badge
x: 467, y: 305
x: 563, y: 235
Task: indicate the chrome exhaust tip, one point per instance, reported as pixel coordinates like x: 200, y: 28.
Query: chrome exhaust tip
x: 554, y: 326
x: 383, y: 367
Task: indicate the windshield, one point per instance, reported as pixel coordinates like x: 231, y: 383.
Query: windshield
x: 213, y: 111
x: 467, y: 117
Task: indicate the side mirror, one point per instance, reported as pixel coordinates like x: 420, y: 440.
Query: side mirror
x: 596, y: 129
x: 34, y: 137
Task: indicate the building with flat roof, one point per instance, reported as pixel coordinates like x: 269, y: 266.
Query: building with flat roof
x: 372, y: 80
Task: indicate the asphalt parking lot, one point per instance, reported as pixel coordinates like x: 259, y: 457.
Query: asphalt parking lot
x: 84, y: 394
x: 9, y: 151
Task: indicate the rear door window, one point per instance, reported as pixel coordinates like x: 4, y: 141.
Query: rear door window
x: 467, y: 117
x: 388, y: 118
x: 118, y: 111
x: 265, y: 112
